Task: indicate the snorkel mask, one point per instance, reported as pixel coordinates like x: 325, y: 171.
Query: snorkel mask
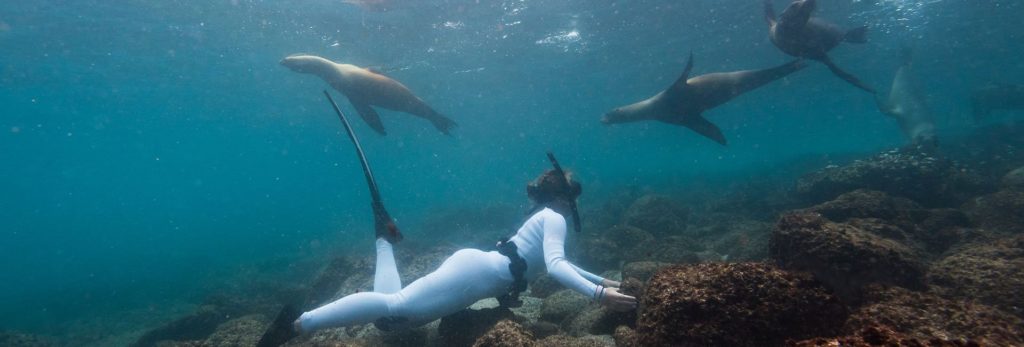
x: 572, y: 190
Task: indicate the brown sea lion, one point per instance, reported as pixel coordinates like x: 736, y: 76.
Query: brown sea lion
x: 798, y: 34
x: 996, y: 96
x: 365, y: 88
x: 906, y: 103
x: 684, y: 101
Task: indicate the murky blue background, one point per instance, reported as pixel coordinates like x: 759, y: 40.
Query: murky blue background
x: 152, y: 149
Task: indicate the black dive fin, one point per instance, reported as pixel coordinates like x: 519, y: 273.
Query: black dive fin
x: 702, y: 126
x: 680, y: 83
x: 370, y: 116
x: 281, y: 330
x: 845, y: 75
x: 857, y: 35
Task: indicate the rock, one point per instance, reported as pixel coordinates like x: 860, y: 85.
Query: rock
x: 506, y: 334
x: 931, y: 181
x: 1002, y: 211
x: 239, y: 332
x: 845, y: 257
x: 561, y: 305
x: 1014, y: 180
x: 464, y: 327
x: 642, y: 270
x: 739, y: 239
x: 927, y: 316
x: 625, y: 337
x: 989, y: 272
x: 880, y: 335
x: 657, y: 214
x: 599, y: 253
x: 194, y: 326
x: 736, y: 304
x: 569, y: 341
x: 17, y: 339
x: 672, y: 249
x: 544, y: 286
x: 863, y: 203
x: 598, y: 320
x: 542, y: 329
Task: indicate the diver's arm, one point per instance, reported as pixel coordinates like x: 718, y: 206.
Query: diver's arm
x: 558, y: 266
x: 596, y: 279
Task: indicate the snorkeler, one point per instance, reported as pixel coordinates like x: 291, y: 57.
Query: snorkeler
x: 470, y: 275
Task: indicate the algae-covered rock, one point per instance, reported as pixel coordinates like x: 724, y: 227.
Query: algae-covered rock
x: 239, y: 332
x: 1002, y: 211
x: 845, y: 257
x: 1014, y: 179
x: 464, y: 327
x: 927, y: 316
x: 919, y: 176
x: 506, y: 333
x: 18, y: 339
x: 599, y: 320
x: 625, y: 337
x: 880, y: 335
x: 561, y: 305
x: 737, y: 304
x: 989, y: 272
x: 657, y: 214
x: 570, y: 341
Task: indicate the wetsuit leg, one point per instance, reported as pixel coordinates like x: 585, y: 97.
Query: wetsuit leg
x: 386, y: 279
x: 465, y: 277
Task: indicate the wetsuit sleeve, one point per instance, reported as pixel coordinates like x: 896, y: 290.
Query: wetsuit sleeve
x: 554, y: 258
x: 595, y: 279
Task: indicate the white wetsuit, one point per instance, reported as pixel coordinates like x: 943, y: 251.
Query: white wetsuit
x: 464, y: 278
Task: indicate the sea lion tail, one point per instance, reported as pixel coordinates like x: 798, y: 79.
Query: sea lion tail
x: 857, y: 35
x: 443, y: 124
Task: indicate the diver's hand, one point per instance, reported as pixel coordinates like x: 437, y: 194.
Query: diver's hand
x: 617, y: 301
x: 607, y: 283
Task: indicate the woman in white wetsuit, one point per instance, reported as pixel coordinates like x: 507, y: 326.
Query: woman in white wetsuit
x: 470, y: 275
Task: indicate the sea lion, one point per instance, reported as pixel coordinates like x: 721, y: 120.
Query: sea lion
x: 684, y: 101
x: 907, y: 104
x: 365, y: 88
x: 798, y: 34
x: 996, y: 96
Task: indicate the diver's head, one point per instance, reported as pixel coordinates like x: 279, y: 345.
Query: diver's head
x: 549, y: 188
x: 304, y: 63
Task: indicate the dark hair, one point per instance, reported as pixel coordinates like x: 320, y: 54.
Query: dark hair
x: 549, y: 187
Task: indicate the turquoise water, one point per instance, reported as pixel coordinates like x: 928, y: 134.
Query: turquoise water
x: 152, y: 149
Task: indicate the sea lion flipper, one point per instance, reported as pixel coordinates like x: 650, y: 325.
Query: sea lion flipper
x: 702, y: 126
x: 369, y: 115
x: 846, y: 76
x: 442, y: 123
x: 769, y: 12
x: 857, y: 35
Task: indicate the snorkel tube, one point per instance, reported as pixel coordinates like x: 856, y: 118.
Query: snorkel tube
x: 565, y: 181
x: 383, y: 224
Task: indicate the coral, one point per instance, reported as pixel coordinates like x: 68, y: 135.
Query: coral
x: 934, y: 182
x: 506, y: 334
x: 464, y: 327
x: 880, y: 335
x: 562, y: 305
x: 657, y: 214
x: 927, y: 316
x: 989, y: 272
x: 845, y: 257
x: 738, y: 304
x: 1002, y: 211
